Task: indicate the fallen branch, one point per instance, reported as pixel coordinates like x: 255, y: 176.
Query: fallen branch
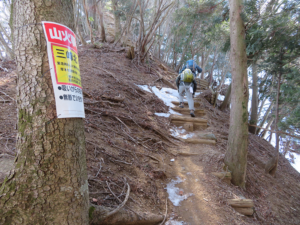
x: 122, y: 204
x: 165, y: 213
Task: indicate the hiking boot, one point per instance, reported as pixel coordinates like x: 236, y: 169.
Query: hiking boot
x: 181, y: 105
x: 192, y: 113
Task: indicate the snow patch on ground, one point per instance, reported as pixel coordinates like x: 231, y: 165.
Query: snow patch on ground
x: 174, y: 222
x: 296, y: 163
x: 173, y: 192
x: 167, y: 95
x: 181, y: 133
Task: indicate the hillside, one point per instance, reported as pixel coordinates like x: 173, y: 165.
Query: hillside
x: 127, y: 142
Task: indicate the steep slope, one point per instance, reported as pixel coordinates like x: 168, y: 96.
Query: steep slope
x: 128, y: 143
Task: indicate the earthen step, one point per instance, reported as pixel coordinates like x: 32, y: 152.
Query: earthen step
x: 186, y: 111
x: 199, y: 141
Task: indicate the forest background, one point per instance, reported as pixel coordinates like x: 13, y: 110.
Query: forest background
x: 175, y: 31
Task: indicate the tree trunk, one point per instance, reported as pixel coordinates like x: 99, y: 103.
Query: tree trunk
x: 254, y: 102
x: 227, y: 98
x: 263, y: 134
x: 265, y: 117
x: 286, y: 147
x: 271, y: 165
x: 8, y: 50
x: 212, y: 69
x: 91, y: 7
x: 49, y: 183
x: 261, y: 107
x: 88, y: 22
x: 117, y: 19
x: 101, y: 21
x: 11, y: 24
x: 236, y: 153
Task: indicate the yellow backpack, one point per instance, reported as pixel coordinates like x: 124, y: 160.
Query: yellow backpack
x: 187, y: 76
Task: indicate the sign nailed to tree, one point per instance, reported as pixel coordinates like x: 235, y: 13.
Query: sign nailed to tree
x: 64, y: 68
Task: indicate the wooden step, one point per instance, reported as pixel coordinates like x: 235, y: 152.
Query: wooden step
x: 199, y: 141
x: 186, y: 111
x: 185, y: 121
x: 196, y: 104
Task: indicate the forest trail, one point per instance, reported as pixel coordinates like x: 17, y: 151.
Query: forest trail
x: 127, y: 141
x: 188, y: 168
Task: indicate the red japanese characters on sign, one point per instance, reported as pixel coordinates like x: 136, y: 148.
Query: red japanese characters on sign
x: 59, y: 34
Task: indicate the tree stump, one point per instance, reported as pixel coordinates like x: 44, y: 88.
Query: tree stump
x: 130, y: 53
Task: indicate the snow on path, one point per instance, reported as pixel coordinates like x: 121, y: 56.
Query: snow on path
x: 173, y: 192
x: 167, y: 95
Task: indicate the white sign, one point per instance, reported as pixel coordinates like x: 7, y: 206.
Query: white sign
x: 64, y: 68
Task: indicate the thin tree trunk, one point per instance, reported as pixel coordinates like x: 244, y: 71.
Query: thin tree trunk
x: 212, y: 68
x: 49, y: 182
x: 263, y: 134
x: 77, y: 16
x: 227, y: 98
x: 271, y: 165
x: 261, y: 107
x: 236, y: 153
x: 8, y: 50
x: 181, y: 60
x: 11, y: 24
x: 88, y: 22
x: 265, y: 117
x: 101, y: 21
x: 117, y: 20
x: 254, y: 102
x: 286, y: 147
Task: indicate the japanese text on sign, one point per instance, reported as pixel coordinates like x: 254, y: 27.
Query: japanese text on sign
x: 64, y: 69
x: 66, y: 66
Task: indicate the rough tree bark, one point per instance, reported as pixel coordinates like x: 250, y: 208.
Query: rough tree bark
x: 254, y: 102
x: 236, y: 153
x: 49, y: 182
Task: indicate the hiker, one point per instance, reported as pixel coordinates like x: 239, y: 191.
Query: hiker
x: 186, y: 85
x: 192, y: 65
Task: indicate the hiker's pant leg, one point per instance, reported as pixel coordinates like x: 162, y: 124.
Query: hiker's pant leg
x: 181, y: 92
x: 190, y: 99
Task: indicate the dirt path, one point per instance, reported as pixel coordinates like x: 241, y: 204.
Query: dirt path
x: 197, y: 208
x: 192, y: 183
